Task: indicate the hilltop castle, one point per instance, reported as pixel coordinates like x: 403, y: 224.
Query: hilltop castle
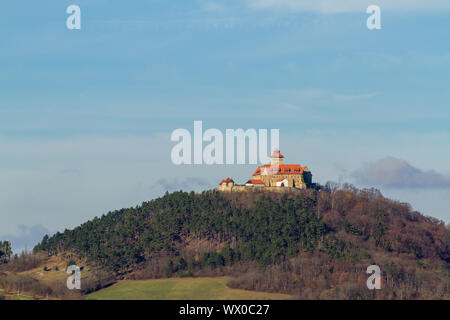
x: 275, y: 176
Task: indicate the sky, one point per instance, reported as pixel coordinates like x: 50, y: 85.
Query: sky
x: 86, y: 115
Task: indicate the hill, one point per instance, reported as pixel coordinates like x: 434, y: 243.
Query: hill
x: 313, y: 244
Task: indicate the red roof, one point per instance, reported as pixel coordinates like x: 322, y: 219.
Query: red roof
x: 281, y: 179
x: 226, y: 181
x: 282, y: 169
x: 255, y: 181
x: 276, y: 154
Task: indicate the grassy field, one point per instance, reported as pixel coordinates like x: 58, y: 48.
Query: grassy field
x: 15, y: 296
x: 180, y: 288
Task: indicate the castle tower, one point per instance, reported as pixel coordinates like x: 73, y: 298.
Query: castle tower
x: 276, y: 158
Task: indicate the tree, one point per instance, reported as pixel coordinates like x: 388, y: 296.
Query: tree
x: 181, y: 263
x: 169, y: 268
x: 5, y: 251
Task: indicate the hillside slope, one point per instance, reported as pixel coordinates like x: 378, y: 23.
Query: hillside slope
x: 316, y: 244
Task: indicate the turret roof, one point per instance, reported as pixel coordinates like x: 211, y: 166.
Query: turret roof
x: 276, y: 154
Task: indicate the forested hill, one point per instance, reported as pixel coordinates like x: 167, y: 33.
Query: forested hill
x: 266, y: 232
x: 191, y: 232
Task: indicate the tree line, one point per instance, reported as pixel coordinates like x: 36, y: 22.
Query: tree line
x: 5, y: 251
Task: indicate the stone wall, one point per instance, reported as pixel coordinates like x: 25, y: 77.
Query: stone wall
x: 295, y: 181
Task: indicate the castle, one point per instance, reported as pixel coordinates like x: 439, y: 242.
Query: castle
x: 275, y: 176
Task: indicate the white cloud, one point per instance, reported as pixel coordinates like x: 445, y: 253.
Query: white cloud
x: 185, y: 184
x: 395, y: 173
x: 211, y: 6
x: 289, y: 106
x: 335, y: 6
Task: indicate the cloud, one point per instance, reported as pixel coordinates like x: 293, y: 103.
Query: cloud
x: 289, y: 106
x: 27, y: 237
x: 343, y: 6
x: 211, y: 6
x: 395, y: 173
x: 185, y: 184
x: 355, y: 97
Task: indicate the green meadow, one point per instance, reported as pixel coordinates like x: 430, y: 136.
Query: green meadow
x: 180, y: 288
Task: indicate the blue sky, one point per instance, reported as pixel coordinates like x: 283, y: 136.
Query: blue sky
x: 86, y: 115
